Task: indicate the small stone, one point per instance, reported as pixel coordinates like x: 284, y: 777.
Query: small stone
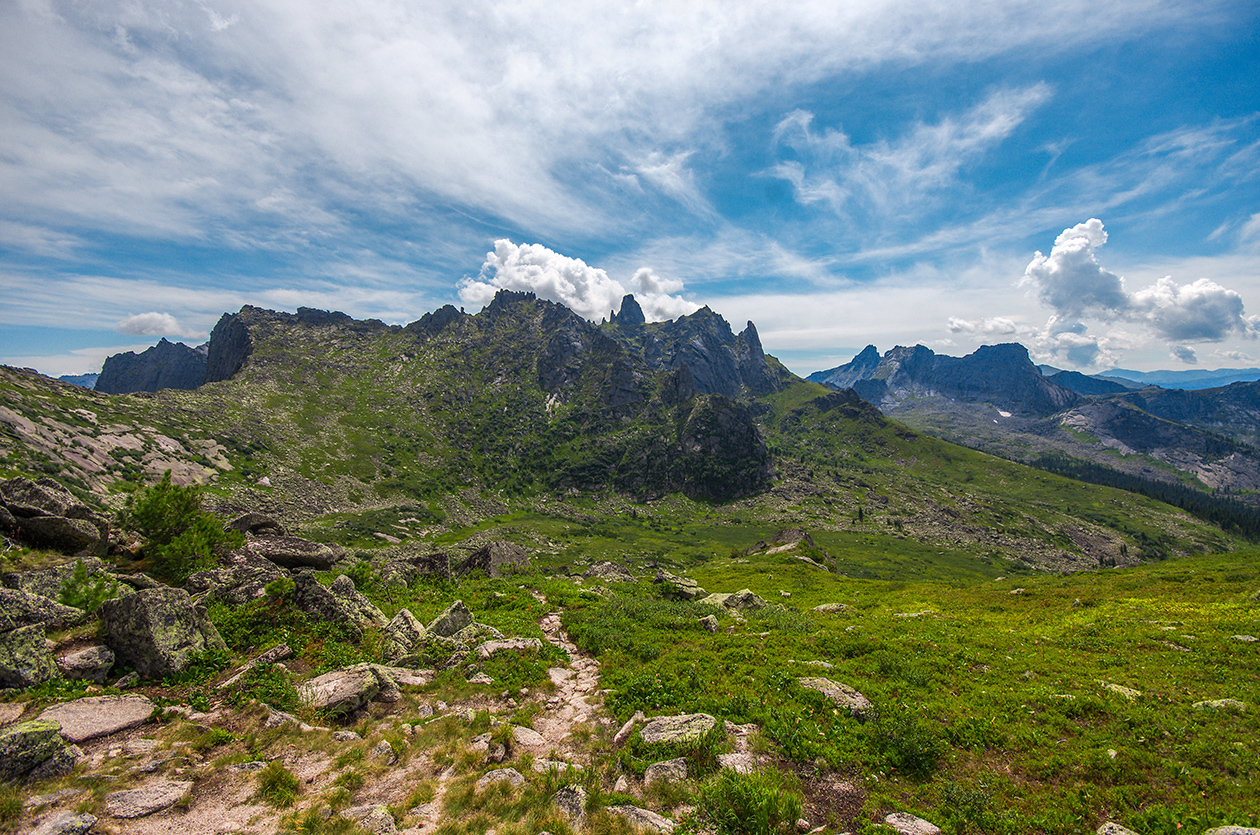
x: 1246, y: 638
x: 65, y: 822
x: 1127, y: 692
x: 527, y: 737
x: 346, y: 736
x: 385, y: 751
x: 1110, y: 828
x: 481, y: 678
x: 802, y: 826
x: 842, y: 695
x: 1233, y: 830
x: 643, y: 819
x: 710, y: 623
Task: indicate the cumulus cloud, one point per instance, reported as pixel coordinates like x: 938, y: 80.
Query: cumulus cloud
x: 995, y: 326
x: 151, y: 324
x: 1203, y: 311
x: 586, y: 290
x: 1184, y: 353
x: 1076, y: 286
x: 1071, y: 281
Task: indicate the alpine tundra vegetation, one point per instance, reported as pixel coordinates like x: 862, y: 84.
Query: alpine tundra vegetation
x: 517, y: 572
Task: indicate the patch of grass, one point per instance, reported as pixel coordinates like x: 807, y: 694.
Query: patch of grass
x: 277, y: 785
x: 766, y: 802
x: 266, y: 683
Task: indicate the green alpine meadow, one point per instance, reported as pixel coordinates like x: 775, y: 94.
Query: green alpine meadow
x: 519, y: 572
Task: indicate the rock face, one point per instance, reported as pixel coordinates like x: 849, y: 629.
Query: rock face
x: 157, y: 631
x: 494, y: 558
x: 167, y: 365
x: 24, y: 657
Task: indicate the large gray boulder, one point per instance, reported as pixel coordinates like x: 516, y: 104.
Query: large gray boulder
x: 245, y: 580
x: 157, y: 631
x: 24, y: 657
x: 61, y: 533
x: 338, y: 603
x: 342, y: 692
x: 495, y: 558
x: 156, y: 796
x: 256, y: 523
x: 21, y: 608
x: 294, y: 552
x: 49, y: 515
x: 27, y: 746
x: 455, y: 617
x: 49, y: 582
x: 609, y: 572
x: 401, y: 634
x: 673, y: 729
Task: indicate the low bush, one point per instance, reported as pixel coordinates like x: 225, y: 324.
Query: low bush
x: 277, y: 785
x: 760, y: 803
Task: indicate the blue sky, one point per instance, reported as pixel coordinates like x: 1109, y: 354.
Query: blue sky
x: 1080, y: 177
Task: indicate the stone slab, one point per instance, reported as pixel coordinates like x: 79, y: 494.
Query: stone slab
x: 136, y: 803
x: 85, y: 719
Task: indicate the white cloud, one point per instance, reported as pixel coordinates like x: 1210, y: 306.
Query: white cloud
x: 1071, y: 281
x: 995, y: 326
x: 150, y: 324
x: 896, y: 176
x: 1184, y: 353
x: 586, y: 290
x: 1203, y: 311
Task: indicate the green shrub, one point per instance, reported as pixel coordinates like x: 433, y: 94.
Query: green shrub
x: 269, y: 684
x: 85, y: 592
x: 180, y: 537
x: 277, y: 785
x: 760, y: 803
x: 10, y: 805
x: 907, y: 742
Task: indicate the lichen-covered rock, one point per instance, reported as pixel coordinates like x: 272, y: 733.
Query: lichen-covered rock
x: 745, y: 601
x: 669, y: 771
x: 26, y: 498
x: 678, y: 588
x: 671, y: 729
x: 341, y: 692
x: 476, y: 633
x: 24, y: 657
x: 256, y: 523
x: 1221, y: 704
x: 500, y: 775
x: 490, y: 648
x: 609, y: 572
x: 339, y: 603
x: 495, y: 558
x: 157, y: 631
x: 842, y: 695
x: 571, y: 801
x: 453, y: 619
x: 21, y: 608
x: 65, y: 822
x: 401, y: 634
x: 643, y: 819
x: 49, y: 582
x: 243, y: 581
x: 90, y: 663
x: 70, y: 536
x: 28, y: 745
x: 907, y: 824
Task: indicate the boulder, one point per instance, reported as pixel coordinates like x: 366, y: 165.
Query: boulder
x: 571, y: 801
x: 294, y: 552
x: 673, y: 729
x: 90, y: 663
x: 343, y: 691
x: 495, y: 558
x: 500, y: 775
x: 26, y: 498
x: 740, y: 763
x: 710, y: 623
x: 49, y: 582
x: 24, y: 657
x: 61, y: 533
x: 1221, y: 704
x: 237, y: 584
x: 401, y: 634
x: 907, y: 824
x: 402, y: 572
x: 374, y: 819
x: 22, y: 608
x: 136, y: 803
x: 455, y: 617
x: 256, y: 523
x: 842, y: 695
x: 831, y: 608
x: 643, y: 819
x: 340, y: 603
x: 678, y: 588
x: 157, y: 631
x: 609, y: 572
x: 97, y: 716
x: 745, y: 601
x: 65, y: 822
x: 669, y: 771
x: 26, y: 746
x: 1110, y: 828
x: 528, y: 737
x: 1233, y: 830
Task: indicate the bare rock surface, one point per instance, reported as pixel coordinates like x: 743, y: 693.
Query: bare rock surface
x: 65, y: 822
x: 668, y: 771
x: 90, y: 663
x: 156, y: 796
x: 842, y: 695
x: 500, y: 775
x: 643, y: 818
x: 670, y: 729
x: 908, y: 824
x: 95, y: 716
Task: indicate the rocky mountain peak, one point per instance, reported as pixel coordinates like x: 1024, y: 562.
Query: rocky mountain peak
x: 631, y: 314
x: 167, y: 365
